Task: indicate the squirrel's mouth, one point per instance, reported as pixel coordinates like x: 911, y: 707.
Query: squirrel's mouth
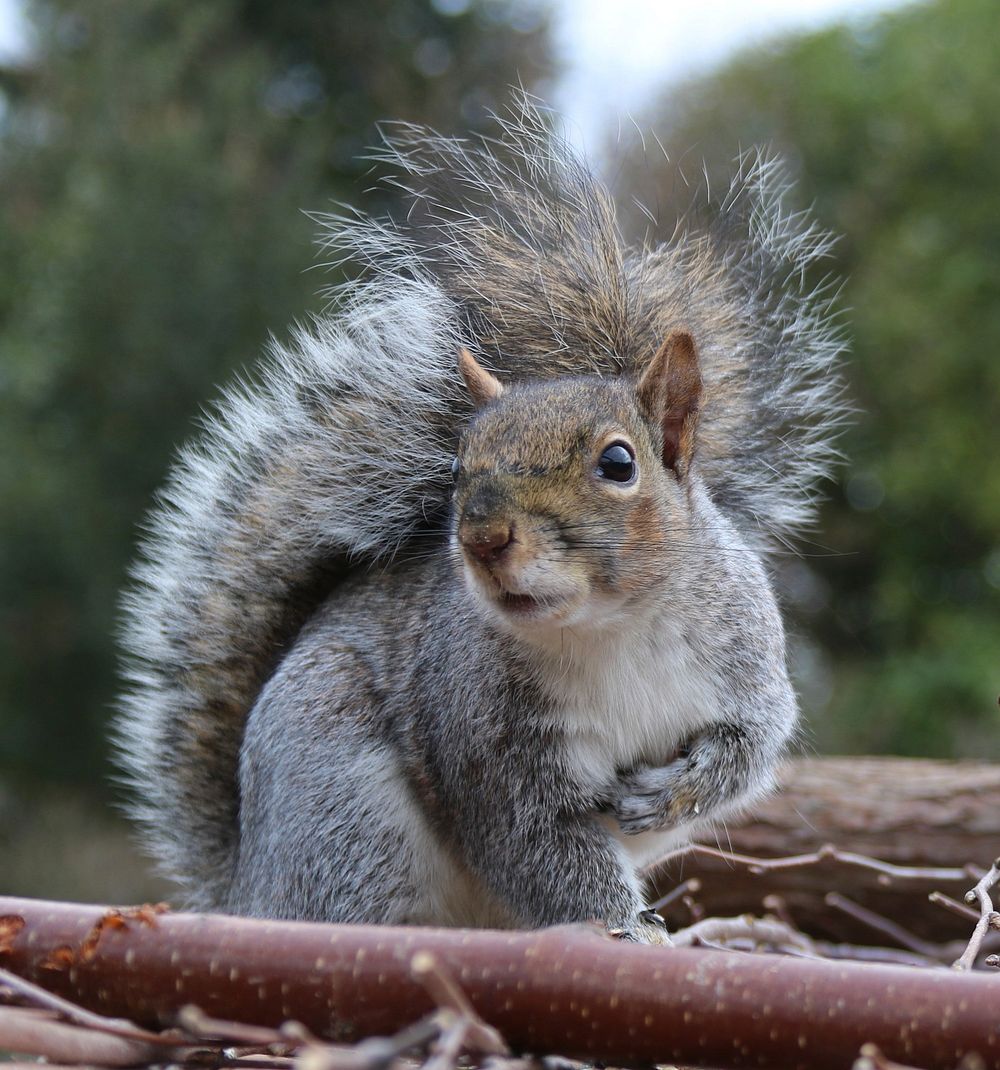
x: 518, y: 603
x: 499, y: 587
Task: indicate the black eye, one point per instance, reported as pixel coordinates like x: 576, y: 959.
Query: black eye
x: 456, y: 467
x: 617, y: 463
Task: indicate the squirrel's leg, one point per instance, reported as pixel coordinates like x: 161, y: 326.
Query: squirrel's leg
x: 565, y: 870
x: 725, y: 766
x: 539, y: 850
x: 324, y: 823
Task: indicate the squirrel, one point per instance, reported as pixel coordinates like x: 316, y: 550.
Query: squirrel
x: 460, y: 612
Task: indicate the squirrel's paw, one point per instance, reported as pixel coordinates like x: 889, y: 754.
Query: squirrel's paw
x: 654, y: 797
x: 646, y: 928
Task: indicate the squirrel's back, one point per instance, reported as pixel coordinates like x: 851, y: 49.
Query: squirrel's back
x: 339, y: 454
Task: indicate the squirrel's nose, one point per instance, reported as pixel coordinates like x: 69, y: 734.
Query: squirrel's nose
x: 488, y: 542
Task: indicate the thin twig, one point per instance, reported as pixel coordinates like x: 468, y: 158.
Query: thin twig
x: 374, y: 1053
x: 724, y: 931
x: 33, y: 1031
x: 885, y: 926
x: 454, y: 1037
x: 695, y: 909
x: 119, y: 1027
x: 864, y: 953
x: 198, y: 1025
x: 339, y: 1057
x: 775, y: 904
x: 871, y: 1058
x: 954, y: 906
x: 47, y: 1065
x: 687, y: 888
x: 442, y: 988
x: 887, y: 870
x: 257, y: 1062
x: 988, y: 917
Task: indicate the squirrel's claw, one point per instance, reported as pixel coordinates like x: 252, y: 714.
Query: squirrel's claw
x: 646, y: 928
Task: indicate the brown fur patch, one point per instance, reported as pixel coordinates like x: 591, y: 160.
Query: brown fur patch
x: 643, y: 535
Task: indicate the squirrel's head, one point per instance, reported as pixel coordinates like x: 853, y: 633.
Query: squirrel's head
x: 569, y: 494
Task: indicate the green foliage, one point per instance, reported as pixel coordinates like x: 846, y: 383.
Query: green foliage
x: 156, y: 159
x: 893, y: 128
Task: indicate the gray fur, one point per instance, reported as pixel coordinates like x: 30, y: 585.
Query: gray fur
x: 363, y: 718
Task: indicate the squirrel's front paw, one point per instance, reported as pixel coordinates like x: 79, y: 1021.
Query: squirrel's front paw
x: 654, y: 797
x: 646, y: 928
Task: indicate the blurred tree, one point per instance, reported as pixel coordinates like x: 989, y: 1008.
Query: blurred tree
x: 155, y: 159
x: 892, y: 127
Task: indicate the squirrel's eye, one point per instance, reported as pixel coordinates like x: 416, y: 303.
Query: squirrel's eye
x: 456, y: 467
x: 617, y: 463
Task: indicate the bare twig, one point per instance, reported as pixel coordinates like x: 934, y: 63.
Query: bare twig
x: 47, y: 1065
x: 954, y: 906
x: 776, y: 905
x: 687, y: 888
x: 988, y: 917
x: 368, y: 1055
x: 863, y: 953
x: 722, y: 932
x: 454, y: 1037
x: 892, y: 929
x: 441, y: 987
x: 374, y: 1053
x: 71, y: 1012
x: 694, y: 908
x: 199, y: 1026
x: 871, y: 1058
x: 887, y: 871
x: 254, y: 1060
x: 453, y: 1027
x: 31, y: 1031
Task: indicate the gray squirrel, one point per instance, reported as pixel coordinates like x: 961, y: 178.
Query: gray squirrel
x: 413, y: 641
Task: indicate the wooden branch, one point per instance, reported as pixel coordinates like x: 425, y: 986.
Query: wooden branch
x: 910, y: 813
x: 33, y: 1032
x: 569, y: 990
x: 38, y: 996
x: 988, y: 918
x: 441, y: 987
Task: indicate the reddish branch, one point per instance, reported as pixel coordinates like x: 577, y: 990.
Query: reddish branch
x: 568, y: 991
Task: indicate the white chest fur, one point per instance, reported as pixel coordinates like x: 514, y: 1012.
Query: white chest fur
x: 626, y: 700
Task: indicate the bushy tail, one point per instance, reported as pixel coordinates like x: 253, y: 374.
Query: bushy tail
x: 340, y: 451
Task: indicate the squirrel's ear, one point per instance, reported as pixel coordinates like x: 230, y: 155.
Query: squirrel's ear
x: 482, y: 385
x: 670, y: 394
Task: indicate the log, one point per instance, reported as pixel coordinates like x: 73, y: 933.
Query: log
x: 568, y: 991
x: 908, y: 812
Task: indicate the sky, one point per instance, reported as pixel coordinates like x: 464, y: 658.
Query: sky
x: 11, y: 37
x: 621, y: 52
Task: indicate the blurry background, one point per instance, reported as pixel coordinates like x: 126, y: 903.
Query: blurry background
x: 156, y: 159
